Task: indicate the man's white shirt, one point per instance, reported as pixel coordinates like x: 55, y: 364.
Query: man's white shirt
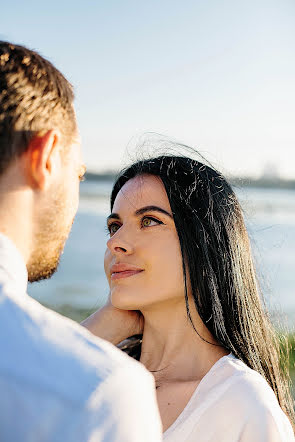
x: 58, y: 382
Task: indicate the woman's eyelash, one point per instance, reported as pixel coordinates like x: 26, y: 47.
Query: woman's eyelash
x: 151, y: 218
x: 109, y: 227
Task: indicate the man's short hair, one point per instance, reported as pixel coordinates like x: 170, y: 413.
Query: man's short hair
x: 34, y: 97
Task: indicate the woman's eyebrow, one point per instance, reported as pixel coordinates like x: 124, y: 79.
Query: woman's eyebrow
x: 141, y: 212
x: 153, y: 209
x: 113, y: 216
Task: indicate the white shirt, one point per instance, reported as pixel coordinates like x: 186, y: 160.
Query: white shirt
x: 232, y: 403
x: 58, y: 382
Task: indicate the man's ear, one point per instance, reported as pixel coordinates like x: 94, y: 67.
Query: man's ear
x: 42, y: 158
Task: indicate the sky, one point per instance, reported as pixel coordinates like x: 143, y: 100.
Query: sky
x: 218, y: 75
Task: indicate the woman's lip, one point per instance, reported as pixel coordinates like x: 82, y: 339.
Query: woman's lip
x: 124, y: 274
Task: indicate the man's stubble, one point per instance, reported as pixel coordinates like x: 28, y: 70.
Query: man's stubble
x: 53, y: 227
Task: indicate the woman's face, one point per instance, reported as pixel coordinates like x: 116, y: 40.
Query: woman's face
x: 143, y: 259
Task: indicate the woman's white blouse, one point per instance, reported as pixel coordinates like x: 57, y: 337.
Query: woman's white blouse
x: 232, y: 403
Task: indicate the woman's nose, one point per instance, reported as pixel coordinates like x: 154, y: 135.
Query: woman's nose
x: 119, y: 244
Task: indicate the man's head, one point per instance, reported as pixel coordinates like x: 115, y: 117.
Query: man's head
x: 39, y: 152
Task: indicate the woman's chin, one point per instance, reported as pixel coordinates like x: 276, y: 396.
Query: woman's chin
x: 122, y: 302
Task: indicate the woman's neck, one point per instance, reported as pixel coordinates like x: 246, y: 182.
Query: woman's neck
x: 172, y: 349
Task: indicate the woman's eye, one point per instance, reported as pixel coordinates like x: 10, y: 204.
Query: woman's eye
x: 113, y: 228
x: 148, y: 222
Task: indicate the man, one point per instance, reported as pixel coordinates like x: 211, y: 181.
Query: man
x: 57, y: 381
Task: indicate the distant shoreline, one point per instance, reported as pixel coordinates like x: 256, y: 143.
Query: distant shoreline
x: 266, y: 183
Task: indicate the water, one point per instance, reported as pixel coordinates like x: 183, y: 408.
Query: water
x: 270, y: 218
x: 80, y: 281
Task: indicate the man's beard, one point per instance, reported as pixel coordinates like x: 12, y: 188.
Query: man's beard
x: 42, y: 270
x: 43, y: 266
x: 48, y: 248
x: 52, y: 231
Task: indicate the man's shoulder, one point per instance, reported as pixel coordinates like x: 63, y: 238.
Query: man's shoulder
x: 48, y: 351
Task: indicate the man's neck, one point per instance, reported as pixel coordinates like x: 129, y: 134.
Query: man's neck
x: 15, y: 221
x: 12, y: 267
x: 16, y: 201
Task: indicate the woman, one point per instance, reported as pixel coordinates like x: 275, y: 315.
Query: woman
x: 180, y: 271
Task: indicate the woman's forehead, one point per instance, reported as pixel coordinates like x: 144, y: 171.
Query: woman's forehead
x: 143, y: 190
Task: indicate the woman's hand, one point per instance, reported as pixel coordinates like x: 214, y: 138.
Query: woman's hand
x: 113, y: 324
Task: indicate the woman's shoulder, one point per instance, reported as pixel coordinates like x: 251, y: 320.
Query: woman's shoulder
x: 236, y: 381
x: 238, y: 402
x: 232, y: 402
x: 248, y: 398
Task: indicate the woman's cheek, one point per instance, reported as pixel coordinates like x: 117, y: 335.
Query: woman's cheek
x: 107, y: 261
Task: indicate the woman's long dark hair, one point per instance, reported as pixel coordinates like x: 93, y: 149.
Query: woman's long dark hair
x: 216, y: 255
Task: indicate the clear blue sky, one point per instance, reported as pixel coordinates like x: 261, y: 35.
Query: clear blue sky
x: 218, y: 75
